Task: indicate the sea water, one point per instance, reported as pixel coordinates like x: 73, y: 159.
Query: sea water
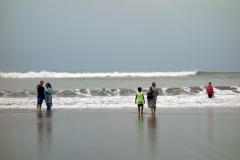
x: 118, y: 89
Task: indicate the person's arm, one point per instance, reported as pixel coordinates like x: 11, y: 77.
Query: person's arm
x: 48, y: 91
x: 143, y: 99
x: 136, y: 99
x: 207, y: 89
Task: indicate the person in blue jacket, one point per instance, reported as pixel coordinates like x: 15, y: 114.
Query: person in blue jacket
x: 48, y: 96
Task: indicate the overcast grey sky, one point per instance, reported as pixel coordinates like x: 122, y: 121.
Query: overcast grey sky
x: 127, y: 35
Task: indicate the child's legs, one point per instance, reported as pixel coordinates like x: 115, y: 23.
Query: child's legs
x: 140, y: 107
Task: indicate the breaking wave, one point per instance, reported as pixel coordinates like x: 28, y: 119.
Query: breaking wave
x: 45, y: 74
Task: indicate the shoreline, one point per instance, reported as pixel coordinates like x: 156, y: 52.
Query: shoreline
x: 162, y: 110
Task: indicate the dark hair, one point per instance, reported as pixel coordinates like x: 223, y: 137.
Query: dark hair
x: 49, y: 85
x: 139, y: 89
x: 153, y: 84
x: 209, y: 83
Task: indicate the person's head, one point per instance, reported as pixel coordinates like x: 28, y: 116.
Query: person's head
x: 139, y: 89
x: 209, y: 83
x: 153, y: 84
x: 48, y: 85
x: 41, y: 82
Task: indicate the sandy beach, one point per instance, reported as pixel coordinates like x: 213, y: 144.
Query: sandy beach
x: 182, y: 134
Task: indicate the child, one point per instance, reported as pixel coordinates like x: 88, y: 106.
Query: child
x: 139, y: 100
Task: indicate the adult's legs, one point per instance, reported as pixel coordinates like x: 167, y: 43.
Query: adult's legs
x: 48, y: 108
x: 39, y: 104
x: 152, y: 110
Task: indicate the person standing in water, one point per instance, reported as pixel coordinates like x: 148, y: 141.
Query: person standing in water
x: 152, y: 102
x: 40, y: 97
x: 48, y: 96
x: 209, y: 90
x: 139, y: 100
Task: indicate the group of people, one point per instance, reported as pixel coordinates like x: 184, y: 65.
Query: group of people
x: 152, y: 100
x: 44, y: 93
x: 139, y: 100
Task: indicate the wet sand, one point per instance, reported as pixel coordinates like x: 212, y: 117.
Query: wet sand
x: 209, y: 134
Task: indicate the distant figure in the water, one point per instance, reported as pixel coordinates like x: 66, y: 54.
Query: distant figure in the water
x: 209, y: 90
x: 48, y: 96
x: 139, y: 100
x: 40, y: 97
x: 152, y: 98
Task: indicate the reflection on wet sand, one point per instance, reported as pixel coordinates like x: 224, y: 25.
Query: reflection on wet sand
x: 210, y: 132
x: 140, y: 132
x: 210, y: 126
x: 40, y: 128
x: 152, y: 136
x: 44, y: 126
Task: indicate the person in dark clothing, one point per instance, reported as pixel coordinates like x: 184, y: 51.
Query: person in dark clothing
x: 41, y: 95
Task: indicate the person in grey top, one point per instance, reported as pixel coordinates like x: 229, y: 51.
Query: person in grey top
x: 152, y: 102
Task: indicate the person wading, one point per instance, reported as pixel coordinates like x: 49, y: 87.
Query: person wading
x: 209, y: 90
x: 41, y: 96
x: 152, y: 100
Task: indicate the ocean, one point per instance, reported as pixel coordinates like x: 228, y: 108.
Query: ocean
x: 116, y: 90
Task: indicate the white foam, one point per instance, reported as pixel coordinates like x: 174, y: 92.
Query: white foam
x: 45, y: 74
x: 126, y: 101
x: 186, y: 89
x: 237, y: 88
x: 164, y: 90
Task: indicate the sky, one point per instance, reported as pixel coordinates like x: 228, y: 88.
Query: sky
x: 119, y: 35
